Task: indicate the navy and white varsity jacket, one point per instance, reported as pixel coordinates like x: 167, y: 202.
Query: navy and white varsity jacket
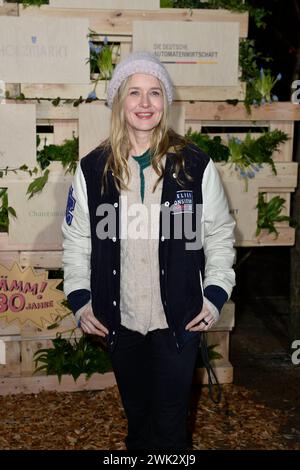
x: 92, y: 265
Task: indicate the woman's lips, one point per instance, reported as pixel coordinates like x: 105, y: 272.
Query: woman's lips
x: 144, y: 115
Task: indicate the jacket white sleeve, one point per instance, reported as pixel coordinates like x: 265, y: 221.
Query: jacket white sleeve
x: 218, y: 233
x: 76, y: 237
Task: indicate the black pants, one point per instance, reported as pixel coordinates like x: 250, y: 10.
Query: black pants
x: 154, y: 382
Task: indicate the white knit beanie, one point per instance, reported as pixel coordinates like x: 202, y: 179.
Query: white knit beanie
x: 139, y: 62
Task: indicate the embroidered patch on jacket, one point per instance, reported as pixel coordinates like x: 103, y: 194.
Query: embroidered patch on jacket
x: 183, y: 202
x: 70, y: 206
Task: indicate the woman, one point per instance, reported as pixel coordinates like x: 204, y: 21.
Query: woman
x: 148, y: 252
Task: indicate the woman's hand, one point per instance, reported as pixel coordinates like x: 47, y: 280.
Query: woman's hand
x: 206, y: 318
x: 89, y: 323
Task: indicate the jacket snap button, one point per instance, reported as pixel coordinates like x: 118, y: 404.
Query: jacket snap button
x: 162, y: 238
x: 114, y: 239
x: 116, y: 204
x: 162, y: 271
x: 114, y: 303
x: 114, y: 272
x: 174, y: 175
x: 167, y: 203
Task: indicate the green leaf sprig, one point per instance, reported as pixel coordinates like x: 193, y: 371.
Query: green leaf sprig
x: 268, y: 213
x: 72, y: 357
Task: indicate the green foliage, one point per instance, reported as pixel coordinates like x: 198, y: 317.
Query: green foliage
x: 250, y: 60
x: 249, y: 155
x: 67, y: 154
x: 37, y: 184
x: 72, y: 357
x: 101, y: 58
x: 261, y: 149
x: 5, y: 211
x: 212, y: 146
x: 262, y: 86
x: 212, y: 355
x: 28, y: 3
x: 259, y: 83
x: 269, y: 213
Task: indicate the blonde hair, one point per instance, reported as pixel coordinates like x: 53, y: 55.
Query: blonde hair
x: 118, y: 144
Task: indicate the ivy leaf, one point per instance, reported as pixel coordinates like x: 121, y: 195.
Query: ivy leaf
x: 56, y: 101
x: 12, y: 211
x: 38, y: 184
x: 23, y: 168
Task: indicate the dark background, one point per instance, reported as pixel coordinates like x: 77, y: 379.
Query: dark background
x: 266, y: 271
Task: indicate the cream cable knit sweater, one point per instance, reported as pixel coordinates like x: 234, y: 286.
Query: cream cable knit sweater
x: 140, y: 300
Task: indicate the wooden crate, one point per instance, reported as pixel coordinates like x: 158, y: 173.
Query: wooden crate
x: 118, y: 27
x: 242, y: 202
x: 221, y: 118
x: 120, y: 22
x: 63, y: 123
x: 20, y: 344
x: 9, y: 9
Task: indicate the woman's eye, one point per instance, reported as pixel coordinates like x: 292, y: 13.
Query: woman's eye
x: 156, y: 93
x: 134, y: 92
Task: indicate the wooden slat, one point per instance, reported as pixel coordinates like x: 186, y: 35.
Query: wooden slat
x: 41, y: 259
x: 28, y: 349
x: 9, y: 9
x: 12, y: 358
x: 221, y: 341
x: 216, y: 111
x: 9, y: 257
x: 36, y: 384
x: 208, y: 93
x: 120, y: 22
x: 182, y: 93
x: 223, y: 371
x: 286, y: 237
x: 279, y: 114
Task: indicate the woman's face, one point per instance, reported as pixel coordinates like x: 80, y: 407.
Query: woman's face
x: 144, y: 103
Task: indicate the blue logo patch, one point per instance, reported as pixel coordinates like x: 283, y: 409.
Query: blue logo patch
x: 183, y: 202
x: 70, y: 206
x: 33, y: 39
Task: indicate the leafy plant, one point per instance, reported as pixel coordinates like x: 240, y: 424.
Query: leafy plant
x: 28, y: 3
x: 269, y: 213
x: 250, y: 62
x: 5, y: 211
x: 261, y: 87
x: 37, y: 185
x: 212, y: 146
x: 67, y: 154
x: 101, y: 62
x: 34, y: 2
x: 73, y: 357
x: 249, y: 155
x: 212, y: 354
